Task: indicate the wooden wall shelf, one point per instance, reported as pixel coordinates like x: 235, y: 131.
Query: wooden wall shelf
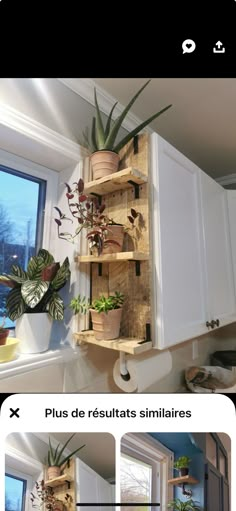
x: 58, y: 481
x: 127, y: 345
x: 112, y: 258
x: 183, y: 480
x: 121, y: 180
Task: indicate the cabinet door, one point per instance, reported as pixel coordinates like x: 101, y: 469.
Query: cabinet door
x: 213, y: 494
x: 178, y: 257
x: 220, y: 282
x: 91, y: 488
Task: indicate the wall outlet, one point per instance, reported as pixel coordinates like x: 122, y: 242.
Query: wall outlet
x: 195, y: 353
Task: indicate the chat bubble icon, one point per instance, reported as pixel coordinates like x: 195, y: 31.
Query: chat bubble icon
x: 188, y: 46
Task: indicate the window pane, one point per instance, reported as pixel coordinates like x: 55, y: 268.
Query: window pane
x: 211, y: 449
x: 222, y: 463
x: 14, y: 493
x: 21, y: 211
x: 136, y: 483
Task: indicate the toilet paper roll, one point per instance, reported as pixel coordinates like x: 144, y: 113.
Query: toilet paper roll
x: 144, y: 370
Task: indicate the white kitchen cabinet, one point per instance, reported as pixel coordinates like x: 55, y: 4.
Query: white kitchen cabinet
x: 92, y: 488
x: 219, y: 266
x: 187, y: 207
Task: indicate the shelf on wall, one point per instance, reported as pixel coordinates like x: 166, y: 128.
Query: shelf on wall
x: 57, y: 481
x: 126, y: 344
x: 109, y: 258
x: 183, y: 480
x: 120, y: 180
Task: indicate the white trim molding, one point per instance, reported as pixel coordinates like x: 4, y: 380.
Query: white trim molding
x: 84, y: 87
x: 24, y: 125
x: 227, y: 180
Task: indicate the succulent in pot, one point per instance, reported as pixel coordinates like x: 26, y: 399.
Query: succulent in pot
x: 34, y: 301
x: 102, y: 140
x: 106, y: 314
x: 182, y: 465
x: 56, y: 460
x: 104, y: 234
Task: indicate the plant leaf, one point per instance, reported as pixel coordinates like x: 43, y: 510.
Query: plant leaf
x: 18, y: 272
x: 141, y: 126
x: 33, y: 291
x: 55, y: 307
x: 63, y: 448
x: 108, y: 125
x: 64, y: 460
x: 62, y: 275
x: 45, y: 255
x: 15, y: 304
x: 93, y: 135
x: 100, y: 134
x: 35, y: 267
x: 117, y: 124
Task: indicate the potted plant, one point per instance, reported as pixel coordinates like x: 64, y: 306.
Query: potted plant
x: 56, y: 459
x: 179, y: 505
x: 4, y: 332
x: 105, y: 312
x: 33, y: 301
x: 102, y: 140
x: 104, y: 234
x: 182, y: 465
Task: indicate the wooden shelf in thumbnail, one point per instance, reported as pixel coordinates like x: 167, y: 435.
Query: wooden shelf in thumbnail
x: 112, y: 258
x: 117, y: 181
x: 58, y: 481
x: 126, y: 344
x: 183, y: 480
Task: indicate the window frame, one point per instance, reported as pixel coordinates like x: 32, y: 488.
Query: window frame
x: 143, y: 447
x: 27, y: 479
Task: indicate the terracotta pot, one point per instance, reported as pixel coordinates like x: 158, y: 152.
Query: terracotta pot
x: 106, y: 326
x: 116, y: 233
x: 53, y: 472
x: 4, y: 336
x: 104, y: 163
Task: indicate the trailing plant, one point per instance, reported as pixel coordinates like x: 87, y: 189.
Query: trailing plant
x: 102, y: 304
x: 182, y: 462
x: 44, y: 497
x: 88, y: 214
x: 104, y: 137
x: 179, y: 505
x: 36, y: 289
x: 55, y: 457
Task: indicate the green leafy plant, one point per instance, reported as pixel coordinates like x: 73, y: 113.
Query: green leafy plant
x: 182, y: 462
x: 102, y: 304
x: 104, y: 137
x: 179, y: 505
x: 36, y: 290
x: 55, y: 456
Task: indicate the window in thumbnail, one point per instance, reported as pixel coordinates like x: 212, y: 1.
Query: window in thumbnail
x: 15, y: 489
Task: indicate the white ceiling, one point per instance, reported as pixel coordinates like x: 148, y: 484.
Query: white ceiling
x: 201, y: 123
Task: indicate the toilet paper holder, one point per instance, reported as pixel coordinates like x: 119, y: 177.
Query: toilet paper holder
x: 123, y: 363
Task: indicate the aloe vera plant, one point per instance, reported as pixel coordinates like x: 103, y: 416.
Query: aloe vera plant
x: 55, y: 456
x: 104, y: 137
x: 36, y: 289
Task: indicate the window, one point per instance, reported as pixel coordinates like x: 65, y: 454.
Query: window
x: 15, y: 490
x: 136, y: 481
x: 145, y: 467
x: 22, y: 203
x: 211, y: 449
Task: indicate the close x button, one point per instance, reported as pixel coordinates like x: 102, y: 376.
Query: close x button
x: 14, y: 413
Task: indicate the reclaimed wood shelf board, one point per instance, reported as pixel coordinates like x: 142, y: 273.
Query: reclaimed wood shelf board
x: 128, y: 345
x: 112, y: 258
x: 114, y: 182
x: 183, y: 480
x: 57, y: 481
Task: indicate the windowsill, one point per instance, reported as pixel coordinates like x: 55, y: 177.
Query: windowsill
x: 25, y: 363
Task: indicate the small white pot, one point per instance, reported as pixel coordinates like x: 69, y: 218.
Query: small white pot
x: 34, y: 331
